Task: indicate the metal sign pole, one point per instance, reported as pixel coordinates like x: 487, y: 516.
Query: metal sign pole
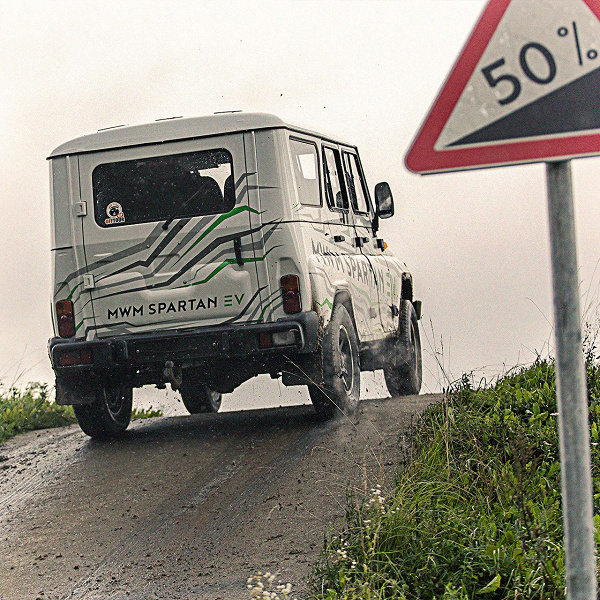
x: 576, y: 478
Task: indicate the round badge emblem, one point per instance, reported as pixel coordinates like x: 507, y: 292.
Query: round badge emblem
x: 114, y: 209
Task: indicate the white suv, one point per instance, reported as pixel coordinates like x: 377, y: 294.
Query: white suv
x: 202, y: 252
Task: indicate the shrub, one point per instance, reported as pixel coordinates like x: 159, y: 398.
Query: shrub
x: 30, y: 408
x: 476, y: 509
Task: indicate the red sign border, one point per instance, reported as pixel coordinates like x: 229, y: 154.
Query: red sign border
x: 423, y: 158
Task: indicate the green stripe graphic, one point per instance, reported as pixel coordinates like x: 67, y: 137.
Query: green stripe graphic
x: 226, y: 263
x: 222, y: 218
x: 327, y: 302
x: 262, y: 314
x: 70, y: 296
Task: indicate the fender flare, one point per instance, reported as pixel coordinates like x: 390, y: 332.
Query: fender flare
x: 406, y: 292
x: 342, y: 296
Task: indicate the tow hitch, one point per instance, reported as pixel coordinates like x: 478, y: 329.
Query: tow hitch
x: 171, y: 377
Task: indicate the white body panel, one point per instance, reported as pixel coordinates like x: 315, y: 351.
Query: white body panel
x: 148, y: 278
x: 142, y: 278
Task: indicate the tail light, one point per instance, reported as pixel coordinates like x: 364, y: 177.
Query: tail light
x: 65, y: 318
x: 265, y: 341
x: 290, y: 289
x: 76, y: 357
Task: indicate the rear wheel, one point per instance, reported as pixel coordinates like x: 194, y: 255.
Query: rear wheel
x: 403, y: 371
x: 340, y: 389
x: 198, y: 397
x: 110, y: 413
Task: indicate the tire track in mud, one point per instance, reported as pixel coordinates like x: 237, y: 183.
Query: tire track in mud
x: 234, y: 489
x: 32, y: 450
x: 146, y: 536
x: 187, y: 507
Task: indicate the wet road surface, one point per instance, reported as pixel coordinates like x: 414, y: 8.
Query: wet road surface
x: 187, y: 507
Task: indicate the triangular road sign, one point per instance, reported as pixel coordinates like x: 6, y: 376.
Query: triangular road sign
x: 525, y: 88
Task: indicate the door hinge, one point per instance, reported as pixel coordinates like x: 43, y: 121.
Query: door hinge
x: 80, y: 209
x: 88, y: 282
x: 359, y: 242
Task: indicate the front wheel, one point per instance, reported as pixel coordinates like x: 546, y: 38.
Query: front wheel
x: 110, y: 413
x: 198, y: 397
x: 339, y: 391
x: 404, y: 371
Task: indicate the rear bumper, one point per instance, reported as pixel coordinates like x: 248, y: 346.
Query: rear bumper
x: 124, y: 356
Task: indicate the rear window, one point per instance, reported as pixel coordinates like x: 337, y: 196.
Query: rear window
x: 163, y: 187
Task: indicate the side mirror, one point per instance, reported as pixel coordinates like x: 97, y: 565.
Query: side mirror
x: 384, y: 203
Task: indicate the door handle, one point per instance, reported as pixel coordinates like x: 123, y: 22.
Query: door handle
x: 338, y: 238
x: 237, y: 248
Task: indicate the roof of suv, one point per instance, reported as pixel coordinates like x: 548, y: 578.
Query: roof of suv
x: 173, y: 129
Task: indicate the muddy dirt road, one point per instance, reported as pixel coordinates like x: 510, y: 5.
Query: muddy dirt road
x: 186, y: 507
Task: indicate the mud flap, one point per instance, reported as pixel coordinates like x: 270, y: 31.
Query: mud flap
x: 74, y: 393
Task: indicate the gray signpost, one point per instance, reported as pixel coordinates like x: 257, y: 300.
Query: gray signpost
x: 573, y: 423
x: 526, y: 88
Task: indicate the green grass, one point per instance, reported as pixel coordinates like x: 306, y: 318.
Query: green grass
x: 475, y: 511
x: 146, y: 413
x: 29, y: 408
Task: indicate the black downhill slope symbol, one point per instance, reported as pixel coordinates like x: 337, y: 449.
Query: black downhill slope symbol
x: 573, y: 107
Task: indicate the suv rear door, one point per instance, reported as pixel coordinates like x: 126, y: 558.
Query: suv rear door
x: 168, y: 236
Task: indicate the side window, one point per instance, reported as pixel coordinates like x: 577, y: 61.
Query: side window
x: 306, y: 171
x: 335, y: 191
x: 355, y: 183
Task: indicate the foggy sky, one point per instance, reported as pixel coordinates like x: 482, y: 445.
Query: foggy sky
x: 476, y: 242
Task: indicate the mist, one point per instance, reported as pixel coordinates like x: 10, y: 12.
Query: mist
x: 367, y: 71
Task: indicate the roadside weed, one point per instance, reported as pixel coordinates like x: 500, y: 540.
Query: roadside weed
x: 475, y: 510
x: 146, y: 413
x: 267, y: 587
x: 31, y: 407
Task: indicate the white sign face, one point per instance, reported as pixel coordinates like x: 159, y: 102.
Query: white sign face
x: 526, y: 88
x: 539, y: 47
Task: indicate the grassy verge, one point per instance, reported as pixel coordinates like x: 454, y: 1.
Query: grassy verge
x: 475, y: 511
x: 32, y: 408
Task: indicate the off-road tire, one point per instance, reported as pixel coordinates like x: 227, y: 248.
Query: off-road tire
x: 404, y: 370
x: 110, y: 413
x: 197, y: 397
x: 339, y: 390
